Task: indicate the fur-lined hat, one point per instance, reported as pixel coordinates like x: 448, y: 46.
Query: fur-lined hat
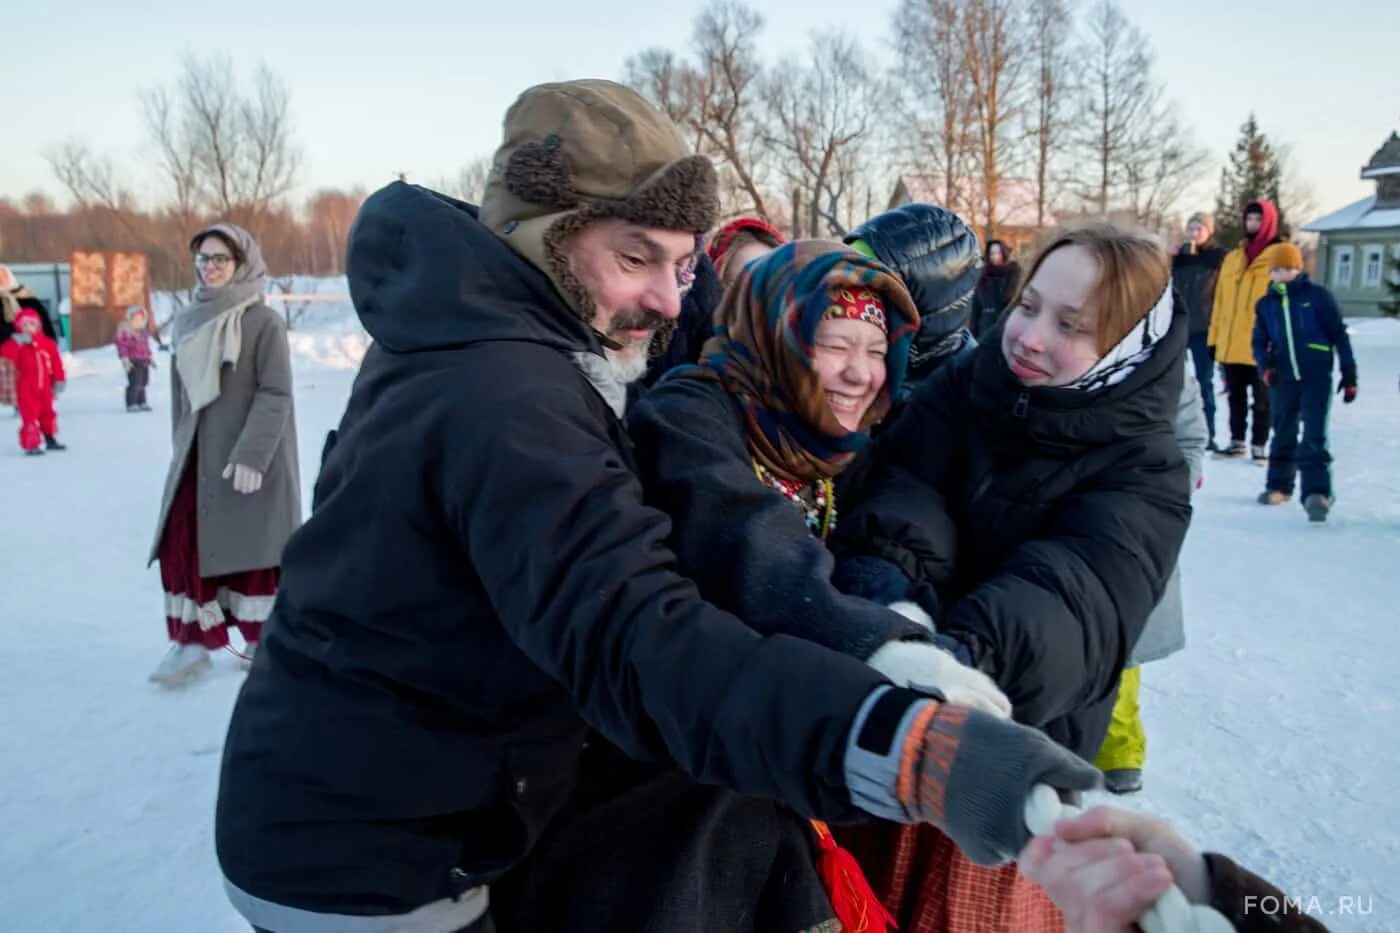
x: 579, y: 151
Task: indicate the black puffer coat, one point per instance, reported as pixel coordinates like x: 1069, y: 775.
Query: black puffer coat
x: 480, y: 578
x: 935, y: 254
x: 1048, y: 521
x: 1194, y: 274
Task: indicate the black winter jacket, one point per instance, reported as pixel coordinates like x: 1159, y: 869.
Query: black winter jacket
x: 1194, y: 275
x: 480, y: 579
x: 935, y: 254
x: 995, y: 292
x: 1048, y: 521
x: 744, y: 544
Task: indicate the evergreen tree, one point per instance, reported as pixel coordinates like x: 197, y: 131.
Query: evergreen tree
x: 1254, y: 172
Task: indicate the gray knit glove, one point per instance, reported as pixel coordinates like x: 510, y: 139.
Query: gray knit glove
x: 963, y: 770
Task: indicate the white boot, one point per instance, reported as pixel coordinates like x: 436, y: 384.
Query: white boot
x: 181, y: 664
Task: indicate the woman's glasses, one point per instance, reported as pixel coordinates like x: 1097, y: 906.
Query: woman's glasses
x: 217, y: 260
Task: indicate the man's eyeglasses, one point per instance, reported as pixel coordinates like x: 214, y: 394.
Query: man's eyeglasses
x: 217, y: 260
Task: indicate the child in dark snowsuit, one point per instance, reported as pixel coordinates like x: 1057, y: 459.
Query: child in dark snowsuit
x: 1297, y: 330
x: 134, y: 348
x: 38, y: 378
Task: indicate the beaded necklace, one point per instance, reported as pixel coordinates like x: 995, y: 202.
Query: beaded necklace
x: 821, y: 515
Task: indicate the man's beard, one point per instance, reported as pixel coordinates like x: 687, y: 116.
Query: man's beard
x: 630, y: 363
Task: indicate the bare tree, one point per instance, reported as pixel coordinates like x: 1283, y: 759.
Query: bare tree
x: 715, y: 98
x: 1139, y: 153
x: 1115, y: 92
x: 820, y: 115
x: 469, y: 184
x: 936, y: 94
x: 224, y: 151
x: 90, y: 179
x: 1160, y: 165
x: 993, y: 55
x: 670, y: 84
x: 1049, y: 25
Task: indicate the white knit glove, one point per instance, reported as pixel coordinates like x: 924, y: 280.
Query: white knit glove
x: 246, y: 480
x: 916, y: 665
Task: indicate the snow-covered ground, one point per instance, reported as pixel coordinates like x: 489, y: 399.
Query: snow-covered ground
x: 1275, y: 737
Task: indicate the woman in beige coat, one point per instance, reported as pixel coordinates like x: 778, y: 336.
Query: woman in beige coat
x: 232, y: 495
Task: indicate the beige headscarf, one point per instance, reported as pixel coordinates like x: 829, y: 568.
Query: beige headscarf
x: 209, y: 333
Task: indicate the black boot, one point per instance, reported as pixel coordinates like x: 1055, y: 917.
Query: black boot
x: 52, y: 443
x: 36, y: 452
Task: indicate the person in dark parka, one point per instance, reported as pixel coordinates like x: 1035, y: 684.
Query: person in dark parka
x: 1195, y: 269
x: 1036, y: 486
x: 996, y: 289
x: 1298, y: 331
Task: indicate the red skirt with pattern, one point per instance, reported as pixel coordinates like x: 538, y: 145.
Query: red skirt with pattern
x: 929, y: 886
x: 199, y: 610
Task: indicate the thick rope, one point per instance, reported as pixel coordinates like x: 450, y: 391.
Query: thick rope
x: 1172, y: 912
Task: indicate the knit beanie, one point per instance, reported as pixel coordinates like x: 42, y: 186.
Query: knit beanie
x: 579, y: 151
x: 1286, y: 256
x: 725, y: 236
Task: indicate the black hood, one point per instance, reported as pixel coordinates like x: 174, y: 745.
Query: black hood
x: 1070, y: 420
x: 425, y: 274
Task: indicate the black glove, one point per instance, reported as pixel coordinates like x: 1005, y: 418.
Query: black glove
x: 936, y: 255
x: 1347, y: 388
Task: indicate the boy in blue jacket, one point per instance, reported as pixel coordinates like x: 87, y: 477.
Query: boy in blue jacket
x: 1297, y: 329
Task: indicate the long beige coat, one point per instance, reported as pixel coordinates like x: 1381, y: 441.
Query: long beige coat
x: 252, y: 423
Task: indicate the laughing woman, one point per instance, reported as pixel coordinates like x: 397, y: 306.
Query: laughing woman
x: 742, y: 450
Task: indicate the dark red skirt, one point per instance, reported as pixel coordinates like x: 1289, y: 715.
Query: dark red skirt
x: 929, y: 886
x: 199, y: 610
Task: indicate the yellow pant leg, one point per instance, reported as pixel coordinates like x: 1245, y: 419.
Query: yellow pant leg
x: 1125, y: 746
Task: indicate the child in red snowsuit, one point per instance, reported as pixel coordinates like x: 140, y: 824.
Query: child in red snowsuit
x: 38, y: 378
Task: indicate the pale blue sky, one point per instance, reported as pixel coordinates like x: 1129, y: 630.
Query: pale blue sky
x: 420, y: 85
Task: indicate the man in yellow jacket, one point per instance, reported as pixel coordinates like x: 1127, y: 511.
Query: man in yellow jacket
x: 1244, y: 279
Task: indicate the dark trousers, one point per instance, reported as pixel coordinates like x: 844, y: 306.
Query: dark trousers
x: 1241, y: 381
x: 1205, y: 375
x: 1308, y: 402
x: 137, y: 378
